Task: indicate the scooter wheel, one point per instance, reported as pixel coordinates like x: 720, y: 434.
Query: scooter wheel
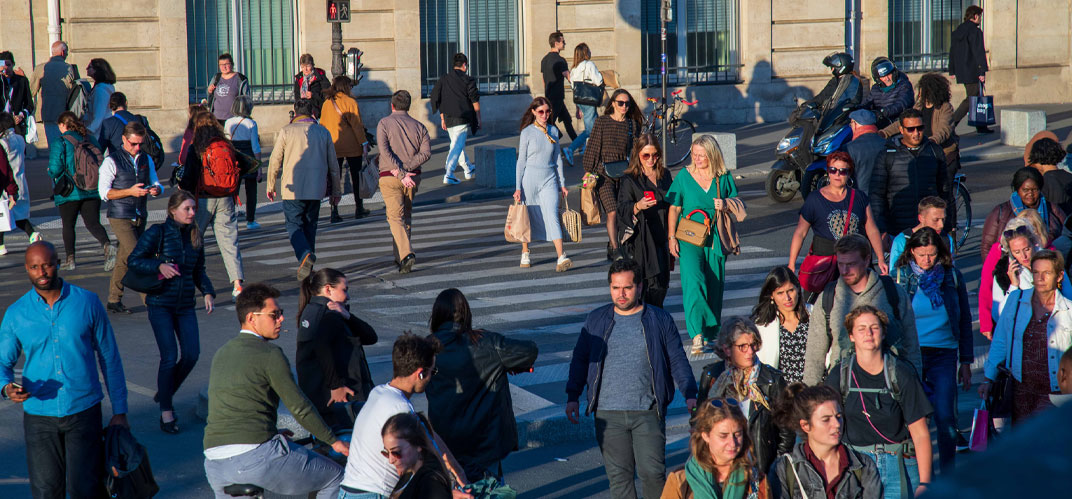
x: 782, y: 185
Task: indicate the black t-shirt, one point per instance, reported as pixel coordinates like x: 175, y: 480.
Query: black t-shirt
x: 889, y: 417
x: 552, y: 66
x: 1057, y: 189
x: 827, y: 218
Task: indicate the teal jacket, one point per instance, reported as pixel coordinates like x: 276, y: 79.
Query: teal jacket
x: 61, y: 160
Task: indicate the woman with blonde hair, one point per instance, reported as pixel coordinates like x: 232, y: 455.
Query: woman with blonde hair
x: 703, y: 187
x: 720, y: 464
x: 584, y: 70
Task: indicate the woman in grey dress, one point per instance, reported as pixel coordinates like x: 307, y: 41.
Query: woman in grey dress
x: 540, y: 181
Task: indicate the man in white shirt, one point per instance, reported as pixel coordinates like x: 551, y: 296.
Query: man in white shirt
x: 127, y: 176
x: 369, y: 475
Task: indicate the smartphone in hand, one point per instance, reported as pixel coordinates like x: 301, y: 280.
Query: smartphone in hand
x: 649, y: 195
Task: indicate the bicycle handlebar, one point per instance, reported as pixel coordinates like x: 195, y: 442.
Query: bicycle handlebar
x: 690, y: 103
x: 677, y: 91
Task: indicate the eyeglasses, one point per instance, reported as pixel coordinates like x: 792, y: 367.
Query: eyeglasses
x: 1019, y: 231
x: 746, y: 347
x: 275, y: 314
x: 838, y: 171
x: 543, y: 111
x: 912, y: 128
x: 622, y: 103
x: 726, y: 402
x: 645, y: 155
x: 388, y: 453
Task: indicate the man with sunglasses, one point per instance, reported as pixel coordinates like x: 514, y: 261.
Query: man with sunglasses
x: 249, y: 377
x: 629, y: 355
x: 369, y: 473
x: 913, y: 168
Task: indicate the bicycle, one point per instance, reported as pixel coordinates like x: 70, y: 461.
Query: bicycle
x: 679, y: 130
x: 962, y: 206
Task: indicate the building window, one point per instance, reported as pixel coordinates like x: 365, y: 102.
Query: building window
x: 485, y: 30
x: 701, y: 43
x: 262, y: 43
x: 920, y: 32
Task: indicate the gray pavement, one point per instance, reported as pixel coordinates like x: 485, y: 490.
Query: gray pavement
x: 457, y: 232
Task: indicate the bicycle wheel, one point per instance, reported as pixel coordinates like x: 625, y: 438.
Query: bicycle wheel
x: 679, y: 134
x: 962, y: 202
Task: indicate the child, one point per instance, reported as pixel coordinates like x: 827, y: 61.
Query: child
x: 242, y: 131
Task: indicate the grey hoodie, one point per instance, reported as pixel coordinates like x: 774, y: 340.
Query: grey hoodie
x: 829, y: 334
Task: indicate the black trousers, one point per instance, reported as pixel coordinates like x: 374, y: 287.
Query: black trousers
x: 559, y: 112
x: 250, y: 184
x: 65, y: 455
x: 354, y: 165
x: 90, y: 211
x: 25, y: 225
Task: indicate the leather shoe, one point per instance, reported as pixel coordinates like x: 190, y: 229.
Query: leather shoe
x: 171, y: 427
x: 119, y: 308
x: 406, y: 265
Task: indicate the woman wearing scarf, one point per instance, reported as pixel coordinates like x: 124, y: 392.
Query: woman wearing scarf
x: 721, y: 465
x: 741, y: 376
x: 939, y: 300
x: 1027, y: 186
x: 539, y: 181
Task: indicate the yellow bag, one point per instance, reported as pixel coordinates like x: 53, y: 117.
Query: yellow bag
x: 517, y: 228
x: 571, y: 223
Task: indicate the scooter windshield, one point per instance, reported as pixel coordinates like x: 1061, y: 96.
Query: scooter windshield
x: 847, y: 96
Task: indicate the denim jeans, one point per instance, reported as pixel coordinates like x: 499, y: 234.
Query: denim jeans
x: 363, y: 495
x: 176, y: 331
x: 456, y: 157
x: 632, y: 442
x: 301, y: 219
x: 64, y: 455
x: 588, y: 115
x: 279, y: 466
x: 940, y: 385
x: 891, y: 473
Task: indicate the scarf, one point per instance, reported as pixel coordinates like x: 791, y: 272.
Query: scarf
x: 702, y: 482
x: 930, y: 281
x: 742, y: 382
x: 544, y: 130
x: 1018, y: 206
x: 862, y: 129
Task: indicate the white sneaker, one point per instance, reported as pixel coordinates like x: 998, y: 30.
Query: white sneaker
x: 36, y: 236
x: 525, y: 263
x: 470, y: 172
x: 449, y: 180
x: 3, y: 249
x: 564, y: 263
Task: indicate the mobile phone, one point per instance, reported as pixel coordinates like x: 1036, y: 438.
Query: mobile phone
x: 649, y: 195
x: 18, y: 387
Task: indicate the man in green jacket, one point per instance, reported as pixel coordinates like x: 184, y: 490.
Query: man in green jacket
x: 249, y: 378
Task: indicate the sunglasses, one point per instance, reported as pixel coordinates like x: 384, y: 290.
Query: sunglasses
x: 838, y: 171
x: 912, y: 128
x: 645, y: 155
x: 388, y: 453
x: 726, y: 402
x: 276, y: 314
x: 431, y: 372
x: 543, y: 111
x: 622, y: 103
x: 1019, y: 231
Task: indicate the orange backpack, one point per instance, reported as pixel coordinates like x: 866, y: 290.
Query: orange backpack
x: 220, y: 171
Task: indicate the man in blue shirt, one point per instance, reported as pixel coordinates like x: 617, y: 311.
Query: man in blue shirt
x: 62, y: 328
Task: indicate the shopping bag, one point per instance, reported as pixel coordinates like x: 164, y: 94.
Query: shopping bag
x: 370, y: 178
x: 980, y: 429
x: 31, y: 130
x: 6, y: 223
x: 981, y: 111
x: 588, y: 206
x: 517, y: 228
x: 571, y: 223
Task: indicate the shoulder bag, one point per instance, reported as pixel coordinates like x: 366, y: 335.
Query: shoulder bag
x: 150, y: 284
x: 691, y: 231
x: 585, y: 93
x: 615, y: 169
x: 818, y: 270
x: 571, y: 222
x: 999, y: 401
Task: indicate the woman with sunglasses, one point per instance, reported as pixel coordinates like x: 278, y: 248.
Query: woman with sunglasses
x: 540, y: 182
x: 741, y: 376
x: 886, y: 408
x: 721, y: 463
x: 611, y: 140
x: 406, y: 446
x: 1034, y: 331
x: 1009, y: 262
x: 939, y: 299
x: 835, y: 211
x: 782, y: 319
x: 642, y: 211
x: 173, y: 251
x: 1027, y: 185
x: 820, y: 465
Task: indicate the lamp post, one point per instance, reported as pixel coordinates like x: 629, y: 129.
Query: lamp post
x: 666, y: 14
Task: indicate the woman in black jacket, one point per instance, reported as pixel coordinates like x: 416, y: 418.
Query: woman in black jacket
x: 407, y: 447
x: 173, y: 251
x: 755, y: 385
x: 469, y: 398
x: 642, y: 218
x: 331, y: 364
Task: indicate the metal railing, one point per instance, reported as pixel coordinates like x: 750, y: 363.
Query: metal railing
x: 920, y: 32
x: 702, y: 43
x: 487, y: 29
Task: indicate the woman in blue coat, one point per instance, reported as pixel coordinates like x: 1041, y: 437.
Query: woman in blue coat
x: 173, y: 251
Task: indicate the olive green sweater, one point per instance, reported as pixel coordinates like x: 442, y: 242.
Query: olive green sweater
x: 248, y: 379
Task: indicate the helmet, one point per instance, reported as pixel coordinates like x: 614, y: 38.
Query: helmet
x: 839, y: 62
x: 884, y: 68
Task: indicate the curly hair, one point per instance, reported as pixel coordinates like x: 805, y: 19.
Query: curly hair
x: 934, y: 89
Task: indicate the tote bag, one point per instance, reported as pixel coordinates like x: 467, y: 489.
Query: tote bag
x: 571, y: 222
x: 981, y: 112
x: 517, y: 228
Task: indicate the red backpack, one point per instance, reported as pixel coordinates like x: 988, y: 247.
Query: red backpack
x: 87, y: 162
x: 220, y: 171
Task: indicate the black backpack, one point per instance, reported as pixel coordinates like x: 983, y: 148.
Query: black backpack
x: 153, y: 146
x: 127, y: 470
x: 889, y: 371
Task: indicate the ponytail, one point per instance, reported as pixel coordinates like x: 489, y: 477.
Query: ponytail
x: 798, y: 402
x: 312, y: 285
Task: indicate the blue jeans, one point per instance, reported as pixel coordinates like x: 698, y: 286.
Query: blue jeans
x: 940, y: 385
x: 588, y: 114
x: 892, y: 474
x: 365, y: 495
x: 279, y: 466
x: 176, y: 331
x: 301, y: 219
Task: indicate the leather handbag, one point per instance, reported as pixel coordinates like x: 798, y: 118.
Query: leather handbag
x: 150, y: 284
x: 587, y: 94
x: 999, y: 401
x: 63, y: 186
x: 616, y: 169
x: 818, y: 270
x: 691, y: 231
x: 571, y: 222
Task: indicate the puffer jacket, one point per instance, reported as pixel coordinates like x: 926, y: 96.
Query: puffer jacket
x: 469, y: 400
x: 170, y: 243
x: 769, y: 440
x: 861, y: 481
x: 888, y: 102
x: 902, y: 179
x: 1002, y: 213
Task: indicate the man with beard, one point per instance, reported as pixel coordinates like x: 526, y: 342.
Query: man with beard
x: 62, y: 329
x: 629, y: 403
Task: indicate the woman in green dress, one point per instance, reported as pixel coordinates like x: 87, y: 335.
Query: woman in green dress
x: 702, y: 269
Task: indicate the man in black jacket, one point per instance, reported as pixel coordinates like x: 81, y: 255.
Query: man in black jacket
x: 14, y: 92
x: 867, y: 147
x: 457, y: 99
x: 967, y: 60
x: 912, y: 169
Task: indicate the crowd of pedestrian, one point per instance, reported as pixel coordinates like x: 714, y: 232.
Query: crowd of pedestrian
x: 828, y: 388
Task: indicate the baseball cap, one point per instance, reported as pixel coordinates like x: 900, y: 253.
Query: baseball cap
x: 862, y: 117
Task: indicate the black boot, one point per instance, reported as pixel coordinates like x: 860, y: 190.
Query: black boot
x: 335, y: 217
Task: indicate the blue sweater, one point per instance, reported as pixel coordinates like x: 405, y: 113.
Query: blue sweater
x: 534, y: 151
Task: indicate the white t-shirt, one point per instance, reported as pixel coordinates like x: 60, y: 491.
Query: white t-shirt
x: 366, y: 468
